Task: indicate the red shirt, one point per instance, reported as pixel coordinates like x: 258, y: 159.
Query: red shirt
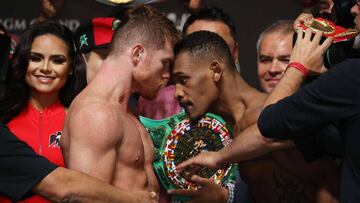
x: 41, y: 131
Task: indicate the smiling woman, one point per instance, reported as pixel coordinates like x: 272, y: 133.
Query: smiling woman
x: 44, y: 76
x: 48, y: 67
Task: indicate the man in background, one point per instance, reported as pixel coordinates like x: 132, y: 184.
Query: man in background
x: 216, y: 20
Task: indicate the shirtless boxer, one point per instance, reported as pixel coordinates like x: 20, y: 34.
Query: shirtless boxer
x: 205, y: 81
x: 101, y: 136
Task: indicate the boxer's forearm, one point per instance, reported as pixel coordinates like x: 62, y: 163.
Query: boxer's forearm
x: 64, y: 185
x: 248, y: 145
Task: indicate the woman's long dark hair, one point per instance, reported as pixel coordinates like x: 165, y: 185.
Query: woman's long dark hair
x: 17, y: 92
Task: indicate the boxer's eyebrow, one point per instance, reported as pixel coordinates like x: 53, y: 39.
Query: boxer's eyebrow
x: 179, y: 73
x: 180, y: 79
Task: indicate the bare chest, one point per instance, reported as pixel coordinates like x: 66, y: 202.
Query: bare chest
x: 135, y: 148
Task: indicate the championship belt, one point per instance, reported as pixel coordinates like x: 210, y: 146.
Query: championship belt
x: 176, y: 139
x: 342, y: 46
x: 329, y: 29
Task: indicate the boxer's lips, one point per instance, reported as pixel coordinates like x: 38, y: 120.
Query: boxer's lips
x: 185, y: 105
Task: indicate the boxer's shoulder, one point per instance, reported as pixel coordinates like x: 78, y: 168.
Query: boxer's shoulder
x: 96, y: 113
x: 249, y: 118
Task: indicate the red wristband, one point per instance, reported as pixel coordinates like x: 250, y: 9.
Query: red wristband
x: 300, y: 67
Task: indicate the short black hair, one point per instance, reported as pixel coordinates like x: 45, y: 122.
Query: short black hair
x: 206, y: 46
x: 212, y: 13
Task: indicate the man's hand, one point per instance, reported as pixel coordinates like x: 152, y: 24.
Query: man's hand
x: 208, y: 192
x: 146, y: 197
x: 308, y: 51
x: 48, y: 8
x: 207, y: 159
x: 193, y: 5
x: 303, y: 18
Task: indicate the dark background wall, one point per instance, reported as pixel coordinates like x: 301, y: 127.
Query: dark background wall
x: 250, y: 17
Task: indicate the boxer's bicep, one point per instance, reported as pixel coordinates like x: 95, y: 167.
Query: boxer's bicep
x: 92, y: 144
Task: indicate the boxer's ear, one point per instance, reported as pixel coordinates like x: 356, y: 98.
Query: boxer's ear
x: 136, y: 53
x: 216, y: 70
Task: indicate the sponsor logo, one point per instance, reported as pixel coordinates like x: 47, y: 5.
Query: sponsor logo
x: 54, y: 140
x: 83, y: 40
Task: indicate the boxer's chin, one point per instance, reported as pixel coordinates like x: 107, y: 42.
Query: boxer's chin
x: 151, y: 95
x: 193, y: 115
x: 195, y: 118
